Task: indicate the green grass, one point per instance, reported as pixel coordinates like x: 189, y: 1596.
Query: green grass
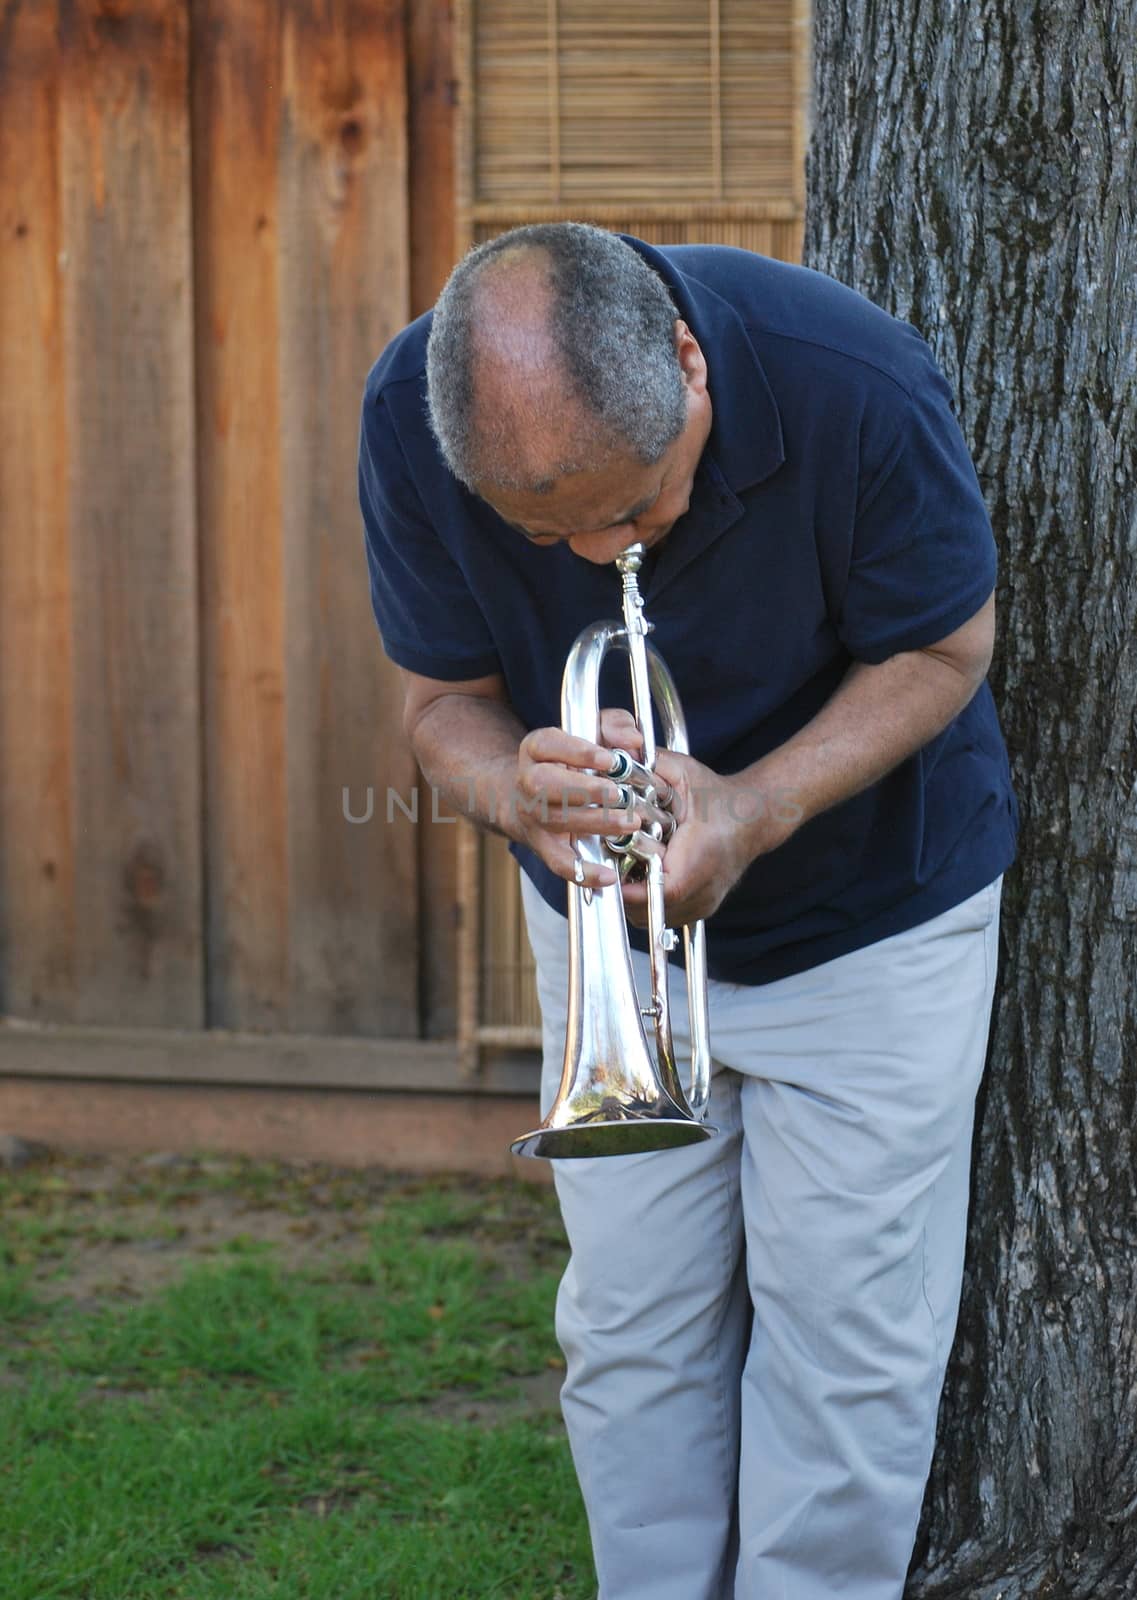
x: 341, y: 1423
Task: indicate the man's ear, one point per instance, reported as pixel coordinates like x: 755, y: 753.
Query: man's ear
x: 692, y: 363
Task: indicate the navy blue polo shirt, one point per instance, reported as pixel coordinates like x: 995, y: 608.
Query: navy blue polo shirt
x: 835, y: 517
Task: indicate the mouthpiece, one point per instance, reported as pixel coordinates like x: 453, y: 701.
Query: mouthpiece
x: 630, y: 560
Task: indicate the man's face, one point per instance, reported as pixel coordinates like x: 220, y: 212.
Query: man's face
x: 600, y: 513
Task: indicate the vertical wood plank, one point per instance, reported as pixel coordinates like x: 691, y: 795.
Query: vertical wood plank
x: 801, y: 58
x: 432, y: 151
x: 344, y: 290
x: 438, y: 930
x: 37, y: 866
x: 465, y: 186
x: 128, y: 358
x: 715, y: 32
x: 236, y: 104
x: 434, y: 249
x: 469, y: 999
x: 553, y: 79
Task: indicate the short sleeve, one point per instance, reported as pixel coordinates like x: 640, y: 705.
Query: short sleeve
x: 923, y: 555
x: 428, y: 619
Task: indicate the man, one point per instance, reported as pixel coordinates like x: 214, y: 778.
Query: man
x: 755, y: 1327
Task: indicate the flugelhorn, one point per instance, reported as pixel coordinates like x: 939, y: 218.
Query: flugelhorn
x: 618, y: 1094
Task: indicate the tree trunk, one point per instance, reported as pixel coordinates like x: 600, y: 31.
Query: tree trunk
x: 974, y: 170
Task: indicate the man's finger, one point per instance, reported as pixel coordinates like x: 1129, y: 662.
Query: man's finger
x: 602, y: 822
x: 565, y: 862
x: 564, y: 749
x: 620, y: 730
x: 545, y: 783
x: 634, y: 896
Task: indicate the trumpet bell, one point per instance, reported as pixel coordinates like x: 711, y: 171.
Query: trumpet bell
x: 630, y: 1136
x: 615, y: 1099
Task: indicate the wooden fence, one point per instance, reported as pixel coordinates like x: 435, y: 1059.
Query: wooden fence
x: 207, y: 240
x: 213, y: 216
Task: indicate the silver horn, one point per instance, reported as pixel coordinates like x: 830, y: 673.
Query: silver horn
x: 618, y: 1096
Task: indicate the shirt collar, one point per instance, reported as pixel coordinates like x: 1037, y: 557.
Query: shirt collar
x: 746, y: 431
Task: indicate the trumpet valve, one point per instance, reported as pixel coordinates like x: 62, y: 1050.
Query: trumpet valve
x: 626, y: 769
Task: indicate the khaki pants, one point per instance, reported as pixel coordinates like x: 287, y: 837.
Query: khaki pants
x: 756, y: 1327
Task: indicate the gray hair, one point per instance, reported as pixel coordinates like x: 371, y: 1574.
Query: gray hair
x: 625, y: 375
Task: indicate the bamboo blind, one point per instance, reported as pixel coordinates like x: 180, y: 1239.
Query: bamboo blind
x: 677, y: 116
x: 679, y: 121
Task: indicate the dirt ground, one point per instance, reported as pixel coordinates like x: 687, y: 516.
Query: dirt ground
x: 120, y: 1227
x: 140, y: 1219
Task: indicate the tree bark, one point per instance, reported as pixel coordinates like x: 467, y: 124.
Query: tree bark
x: 973, y: 169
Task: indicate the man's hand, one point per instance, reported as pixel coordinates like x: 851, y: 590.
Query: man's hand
x: 723, y: 824
x: 542, y: 788
x: 558, y: 797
